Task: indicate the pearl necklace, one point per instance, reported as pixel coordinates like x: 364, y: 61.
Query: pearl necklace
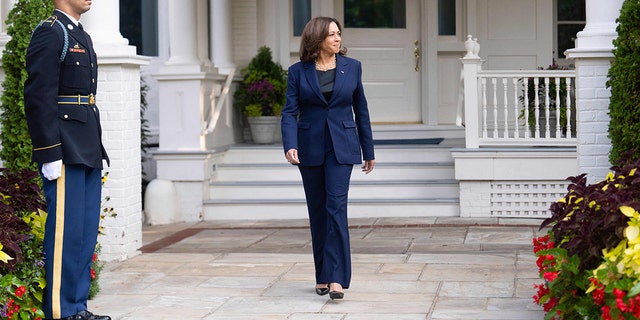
x: 331, y: 65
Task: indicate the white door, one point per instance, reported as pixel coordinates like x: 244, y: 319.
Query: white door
x: 515, y: 34
x: 385, y: 37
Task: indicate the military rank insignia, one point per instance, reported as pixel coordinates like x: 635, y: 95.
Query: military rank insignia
x: 77, y: 49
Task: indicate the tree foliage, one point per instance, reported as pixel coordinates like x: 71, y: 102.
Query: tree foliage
x: 16, y: 143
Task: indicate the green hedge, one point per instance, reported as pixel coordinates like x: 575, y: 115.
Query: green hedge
x: 624, y: 81
x: 16, y: 143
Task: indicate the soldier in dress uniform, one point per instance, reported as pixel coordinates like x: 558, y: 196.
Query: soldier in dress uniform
x: 64, y: 125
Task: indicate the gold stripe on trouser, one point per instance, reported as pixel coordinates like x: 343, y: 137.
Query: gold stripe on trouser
x: 57, y: 250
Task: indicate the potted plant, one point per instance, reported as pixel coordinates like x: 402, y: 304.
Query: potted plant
x: 261, y: 95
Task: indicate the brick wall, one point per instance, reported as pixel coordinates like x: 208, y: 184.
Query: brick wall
x: 593, y: 119
x: 119, y: 102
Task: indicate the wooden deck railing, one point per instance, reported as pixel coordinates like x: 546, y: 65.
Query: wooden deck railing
x: 517, y: 108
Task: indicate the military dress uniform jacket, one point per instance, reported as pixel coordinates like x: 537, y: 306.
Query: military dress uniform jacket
x: 306, y: 114
x: 68, y: 131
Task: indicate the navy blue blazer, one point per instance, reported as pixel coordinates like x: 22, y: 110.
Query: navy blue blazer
x: 306, y: 113
x: 68, y: 132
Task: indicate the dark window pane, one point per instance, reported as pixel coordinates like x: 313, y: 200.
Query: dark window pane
x: 301, y: 15
x: 571, y: 10
x: 566, y: 37
x: 375, y: 14
x: 139, y: 24
x: 447, y: 17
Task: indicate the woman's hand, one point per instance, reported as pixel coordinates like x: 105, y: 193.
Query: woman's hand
x: 368, y: 166
x: 292, y: 156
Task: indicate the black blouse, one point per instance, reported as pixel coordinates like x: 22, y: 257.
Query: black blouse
x: 326, y: 80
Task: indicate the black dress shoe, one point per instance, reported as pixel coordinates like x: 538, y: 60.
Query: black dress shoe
x: 336, y: 295
x: 333, y: 294
x: 86, y: 315
x: 322, y: 291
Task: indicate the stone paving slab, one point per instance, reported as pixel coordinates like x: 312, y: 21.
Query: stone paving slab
x: 403, y: 268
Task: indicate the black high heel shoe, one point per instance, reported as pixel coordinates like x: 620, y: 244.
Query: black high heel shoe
x: 322, y: 291
x: 335, y: 295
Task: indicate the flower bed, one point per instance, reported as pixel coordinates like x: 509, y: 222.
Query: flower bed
x: 590, y: 257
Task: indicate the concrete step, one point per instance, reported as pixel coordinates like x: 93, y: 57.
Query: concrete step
x: 272, y: 154
x: 255, y: 182
x: 282, y: 190
x: 358, y: 208
x: 287, y: 172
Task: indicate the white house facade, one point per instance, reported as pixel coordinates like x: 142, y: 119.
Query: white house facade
x: 455, y: 70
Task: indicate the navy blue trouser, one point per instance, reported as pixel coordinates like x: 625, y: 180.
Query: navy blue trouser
x: 71, y: 232
x: 326, y: 188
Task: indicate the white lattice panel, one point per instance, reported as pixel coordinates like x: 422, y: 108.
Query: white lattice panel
x: 525, y: 198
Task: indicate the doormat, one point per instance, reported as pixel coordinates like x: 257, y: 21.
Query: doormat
x: 408, y: 141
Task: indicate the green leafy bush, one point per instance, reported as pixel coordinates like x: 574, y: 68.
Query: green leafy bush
x: 624, y: 81
x: 16, y: 144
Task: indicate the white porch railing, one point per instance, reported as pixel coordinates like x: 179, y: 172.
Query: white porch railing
x: 210, y: 117
x: 517, y: 108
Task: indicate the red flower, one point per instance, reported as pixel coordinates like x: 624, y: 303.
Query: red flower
x: 20, y: 291
x: 541, y: 291
x: 598, y: 296
x: 606, y: 313
x: 553, y: 301
x: 93, y: 274
x: 550, y: 276
x: 95, y: 257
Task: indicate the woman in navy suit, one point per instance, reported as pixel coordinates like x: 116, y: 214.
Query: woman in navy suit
x: 325, y: 131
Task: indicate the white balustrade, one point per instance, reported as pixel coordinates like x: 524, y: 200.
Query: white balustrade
x: 500, y: 104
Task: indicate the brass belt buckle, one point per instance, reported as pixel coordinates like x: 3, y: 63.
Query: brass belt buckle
x: 92, y: 99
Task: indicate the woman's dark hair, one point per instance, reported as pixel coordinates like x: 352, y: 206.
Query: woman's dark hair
x: 316, y: 30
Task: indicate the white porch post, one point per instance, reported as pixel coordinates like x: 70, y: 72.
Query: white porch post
x: 220, y: 14
x: 592, y: 56
x: 471, y: 63
x: 118, y: 98
x: 185, y: 85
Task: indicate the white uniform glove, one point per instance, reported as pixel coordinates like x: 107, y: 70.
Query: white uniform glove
x: 52, y: 170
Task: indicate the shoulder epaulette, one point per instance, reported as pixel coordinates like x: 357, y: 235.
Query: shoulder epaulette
x: 51, y: 21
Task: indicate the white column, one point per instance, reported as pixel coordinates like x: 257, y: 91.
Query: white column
x: 203, y: 35
x: 102, y: 22
x: 220, y: 15
x: 592, y: 55
x: 5, y: 7
x: 182, y: 33
x: 600, y: 28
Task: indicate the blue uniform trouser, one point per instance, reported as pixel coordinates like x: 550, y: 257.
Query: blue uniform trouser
x: 71, y: 231
x: 326, y: 188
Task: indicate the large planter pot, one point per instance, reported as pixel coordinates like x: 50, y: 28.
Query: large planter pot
x: 264, y: 129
